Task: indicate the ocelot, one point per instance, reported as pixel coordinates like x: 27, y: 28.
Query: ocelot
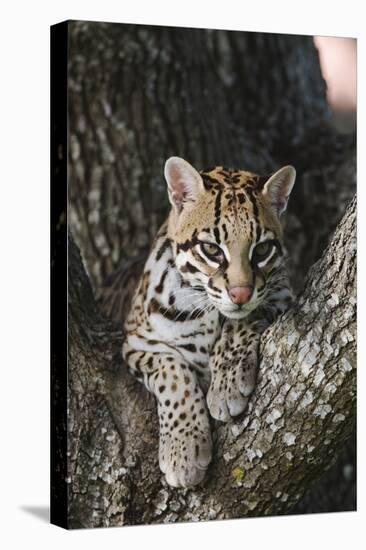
x: 214, y: 280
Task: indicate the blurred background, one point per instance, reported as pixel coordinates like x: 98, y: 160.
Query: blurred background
x: 338, y: 60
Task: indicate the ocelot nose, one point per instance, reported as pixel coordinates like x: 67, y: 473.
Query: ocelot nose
x: 240, y: 294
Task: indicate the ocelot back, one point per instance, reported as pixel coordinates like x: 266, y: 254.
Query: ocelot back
x: 214, y: 280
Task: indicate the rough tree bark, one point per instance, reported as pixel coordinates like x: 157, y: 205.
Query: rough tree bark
x: 136, y: 96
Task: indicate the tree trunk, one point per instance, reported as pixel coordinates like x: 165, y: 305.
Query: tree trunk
x: 255, y: 101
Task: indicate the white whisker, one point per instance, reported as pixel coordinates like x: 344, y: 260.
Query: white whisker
x: 199, y: 307
x: 174, y: 305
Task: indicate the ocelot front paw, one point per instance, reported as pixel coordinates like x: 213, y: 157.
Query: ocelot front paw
x: 186, y: 452
x: 231, y: 385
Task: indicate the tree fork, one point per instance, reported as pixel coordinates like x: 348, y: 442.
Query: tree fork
x: 302, y: 410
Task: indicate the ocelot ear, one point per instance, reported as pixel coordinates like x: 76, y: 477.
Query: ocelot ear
x: 184, y: 182
x: 278, y: 188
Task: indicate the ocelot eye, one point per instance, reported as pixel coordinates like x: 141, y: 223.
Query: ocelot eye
x: 212, y: 251
x: 262, y: 250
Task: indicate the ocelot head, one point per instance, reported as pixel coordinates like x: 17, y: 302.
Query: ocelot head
x: 226, y: 231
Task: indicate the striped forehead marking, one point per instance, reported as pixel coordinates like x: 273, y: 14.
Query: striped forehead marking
x: 238, y: 187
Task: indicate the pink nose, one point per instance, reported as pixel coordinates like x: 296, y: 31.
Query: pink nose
x: 240, y: 294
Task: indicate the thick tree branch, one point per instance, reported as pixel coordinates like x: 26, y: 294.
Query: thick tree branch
x: 302, y: 411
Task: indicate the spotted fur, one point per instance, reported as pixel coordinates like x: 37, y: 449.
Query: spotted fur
x: 214, y: 280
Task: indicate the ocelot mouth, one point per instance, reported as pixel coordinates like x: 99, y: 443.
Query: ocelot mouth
x: 237, y: 312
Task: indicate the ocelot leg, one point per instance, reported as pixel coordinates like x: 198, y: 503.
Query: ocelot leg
x: 235, y: 358
x: 233, y: 367
x: 185, y: 445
